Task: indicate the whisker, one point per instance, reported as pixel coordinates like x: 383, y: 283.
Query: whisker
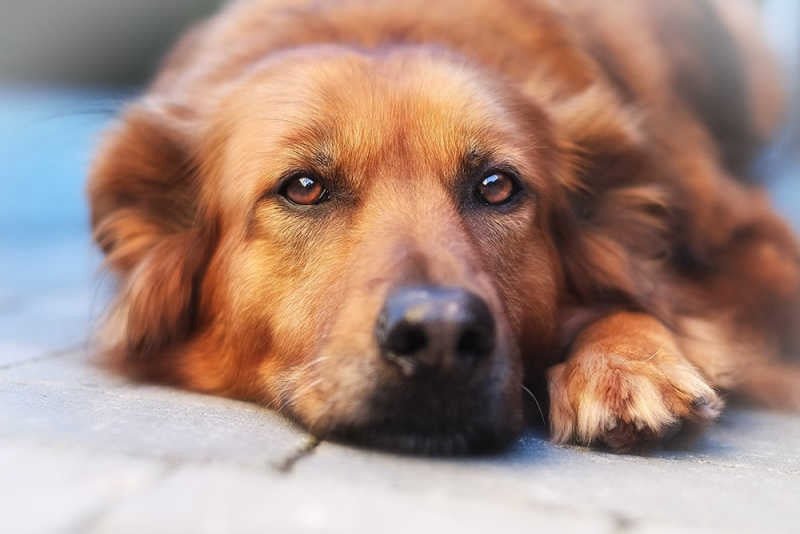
x: 536, y: 401
x: 656, y: 353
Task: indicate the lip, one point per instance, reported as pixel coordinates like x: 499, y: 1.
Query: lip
x: 471, y: 439
x: 469, y: 421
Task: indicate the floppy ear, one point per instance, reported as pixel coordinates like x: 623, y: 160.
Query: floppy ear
x: 614, y: 222
x: 143, y: 191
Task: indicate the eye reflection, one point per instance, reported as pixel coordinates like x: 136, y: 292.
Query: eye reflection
x: 304, y: 190
x: 497, y: 188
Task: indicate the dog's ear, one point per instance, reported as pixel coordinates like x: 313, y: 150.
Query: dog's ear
x: 614, y: 218
x: 143, y: 190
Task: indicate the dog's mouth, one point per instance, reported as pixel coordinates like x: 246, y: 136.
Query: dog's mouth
x: 439, y: 419
x: 468, y: 439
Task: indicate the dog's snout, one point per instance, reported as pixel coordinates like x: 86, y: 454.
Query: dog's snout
x: 435, y: 327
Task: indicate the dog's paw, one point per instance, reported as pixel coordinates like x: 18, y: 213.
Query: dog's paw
x: 626, y: 401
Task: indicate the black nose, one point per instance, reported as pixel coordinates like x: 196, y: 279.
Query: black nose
x: 435, y: 327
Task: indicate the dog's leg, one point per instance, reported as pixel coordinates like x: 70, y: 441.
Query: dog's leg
x: 626, y: 383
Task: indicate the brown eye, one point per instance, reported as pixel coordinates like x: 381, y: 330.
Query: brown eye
x: 304, y: 190
x: 497, y: 188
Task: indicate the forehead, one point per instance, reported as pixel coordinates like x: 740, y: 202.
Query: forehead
x: 409, y: 114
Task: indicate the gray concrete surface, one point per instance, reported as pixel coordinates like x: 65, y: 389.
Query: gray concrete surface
x: 85, y: 451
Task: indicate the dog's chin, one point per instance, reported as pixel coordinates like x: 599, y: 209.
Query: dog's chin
x: 469, y: 430
x: 469, y: 439
x: 431, y: 414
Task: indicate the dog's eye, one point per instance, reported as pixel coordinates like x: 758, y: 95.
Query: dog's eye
x: 304, y: 190
x: 497, y: 188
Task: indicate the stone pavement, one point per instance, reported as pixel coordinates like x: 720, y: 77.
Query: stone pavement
x: 84, y: 451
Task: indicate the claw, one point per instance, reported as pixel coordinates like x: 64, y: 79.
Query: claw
x: 706, y: 408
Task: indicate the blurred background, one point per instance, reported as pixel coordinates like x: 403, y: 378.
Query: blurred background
x: 118, y: 42
x: 90, y: 42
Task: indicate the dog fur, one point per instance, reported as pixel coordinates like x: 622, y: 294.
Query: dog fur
x: 640, y: 274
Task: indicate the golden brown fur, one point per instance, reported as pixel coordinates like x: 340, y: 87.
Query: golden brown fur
x: 637, y: 265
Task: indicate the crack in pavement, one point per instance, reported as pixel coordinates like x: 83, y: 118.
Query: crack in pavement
x: 622, y: 523
x: 286, y: 465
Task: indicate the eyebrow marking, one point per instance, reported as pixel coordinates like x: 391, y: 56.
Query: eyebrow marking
x: 474, y: 161
x: 322, y: 160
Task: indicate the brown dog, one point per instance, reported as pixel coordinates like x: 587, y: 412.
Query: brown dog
x: 384, y: 219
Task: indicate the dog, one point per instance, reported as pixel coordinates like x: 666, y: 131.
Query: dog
x: 419, y: 225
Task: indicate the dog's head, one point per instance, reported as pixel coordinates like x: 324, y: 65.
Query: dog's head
x: 369, y: 243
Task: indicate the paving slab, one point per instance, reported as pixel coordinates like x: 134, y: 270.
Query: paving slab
x: 67, y: 400
x: 743, y: 476
x: 222, y: 500
x: 54, y: 489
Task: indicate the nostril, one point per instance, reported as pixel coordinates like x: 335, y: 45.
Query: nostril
x: 406, y: 339
x: 435, y: 327
x: 475, y: 343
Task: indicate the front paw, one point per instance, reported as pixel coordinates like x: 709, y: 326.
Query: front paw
x: 626, y: 402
